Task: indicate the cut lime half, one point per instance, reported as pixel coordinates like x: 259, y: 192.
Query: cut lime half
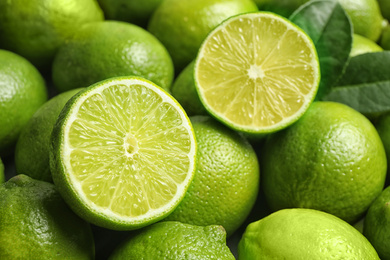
x: 123, y: 153
x: 257, y: 72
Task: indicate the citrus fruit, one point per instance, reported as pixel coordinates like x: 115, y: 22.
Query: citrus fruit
x: 102, y: 50
x: 181, y: 25
x: 175, y: 241
x: 365, y: 15
x: 22, y: 92
x: 377, y: 224
x: 332, y: 160
x: 361, y: 45
x: 35, y: 223
x: 2, y: 177
x: 132, y: 11
x: 385, y: 40
x: 36, y: 28
x: 303, y: 234
x: 226, y: 181
x: 259, y: 82
x: 123, y: 153
x: 32, y: 147
x: 384, y: 6
x: 184, y: 91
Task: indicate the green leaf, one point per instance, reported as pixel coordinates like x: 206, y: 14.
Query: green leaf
x: 330, y: 28
x: 365, y: 85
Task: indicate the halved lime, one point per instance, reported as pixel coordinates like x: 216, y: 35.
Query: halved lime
x: 123, y: 153
x: 257, y: 72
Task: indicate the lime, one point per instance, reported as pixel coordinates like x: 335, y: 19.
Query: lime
x: 384, y: 6
x: 102, y: 50
x: 226, y: 181
x: 332, y: 160
x: 132, y: 11
x: 36, y: 28
x: 35, y: 223
x: 303, y: 234
x: 22, y: 92
x: 377, y: 224
x: 175, y: 241
x: 385, y: 40
x: 259, y: 83
x: 184, y: 90
x: 182, y: 25
x: 2, y: 177
x: 361, y: 45
x: 32, y: 147
x: 365, y: 15
x: 123, y: 153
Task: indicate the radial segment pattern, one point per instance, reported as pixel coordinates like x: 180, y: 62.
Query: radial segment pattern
x: 257, y: 71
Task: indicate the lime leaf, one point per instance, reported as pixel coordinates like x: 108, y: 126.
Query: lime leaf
x: 329, y: 27
x: 365, y: 85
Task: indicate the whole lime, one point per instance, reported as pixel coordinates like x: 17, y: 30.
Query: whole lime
x: 35, y: 223
x: 102, y: 50
x: 184, y: 90
x: 175, y: 241
x: 361, y: 45
x: 377, y: 224
x: 36, y: 28
x: 332, y: 160
x: 303, y: 234
x: 33, y: 146
x: 22, y: 92
x: 226, y: 181
x: 181, y: 25
x: 131, y: 11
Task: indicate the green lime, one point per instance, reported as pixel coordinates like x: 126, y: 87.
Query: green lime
x: 252, y: 85
x: 332, y: 160
x: 2, y: 177
x: 102, y: 50
x: 132, y: 11
x: 123, y: 153
x: 32, y: 148
x: 365, y: 15
x: 35, y: 223
x: 35, y: 29
x: 182, y: 25
x: 175, y: 241
x: 22, y: 92
x: 361, y: 45
x: 385, y: 40
x: 184, y: 90
x: 303, y: 234
x: 226, y: 181
x: 377, y: 224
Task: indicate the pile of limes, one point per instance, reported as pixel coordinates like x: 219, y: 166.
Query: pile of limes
x: 182, y: 129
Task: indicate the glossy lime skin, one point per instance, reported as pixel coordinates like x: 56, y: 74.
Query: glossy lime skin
x: 36, y: 28
x: 99, y: 51
x: 22, y: 92
x: 35, y: 223
x: 176, y: 241
x: 303, y: 234
x: 332, y: 159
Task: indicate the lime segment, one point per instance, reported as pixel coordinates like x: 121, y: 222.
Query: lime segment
x: 127, y: 152
x: 257, y: 72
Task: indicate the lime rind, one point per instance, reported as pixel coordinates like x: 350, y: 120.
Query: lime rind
x: 242, y: 103
x: 93, y: 196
